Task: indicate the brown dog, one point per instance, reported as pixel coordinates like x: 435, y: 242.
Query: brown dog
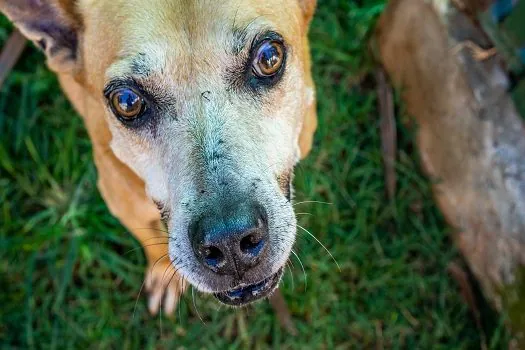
x: 198, y: 111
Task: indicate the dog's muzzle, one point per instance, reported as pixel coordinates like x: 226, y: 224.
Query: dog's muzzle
x: 232, y: 240
x: 243, y: 295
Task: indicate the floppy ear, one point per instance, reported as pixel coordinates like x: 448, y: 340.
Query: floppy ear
x: 52, y: 25
x: 308, y: 7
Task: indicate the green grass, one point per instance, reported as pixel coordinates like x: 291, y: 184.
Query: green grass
x: 70, y: 274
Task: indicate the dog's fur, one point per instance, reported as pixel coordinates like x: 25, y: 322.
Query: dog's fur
x: 213, y: 138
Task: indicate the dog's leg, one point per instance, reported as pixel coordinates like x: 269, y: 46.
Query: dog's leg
x: 125, y: 195
x: 126, y: 198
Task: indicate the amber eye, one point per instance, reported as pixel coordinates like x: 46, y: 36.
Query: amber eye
x: 269, y: 58
x: 127, y: 104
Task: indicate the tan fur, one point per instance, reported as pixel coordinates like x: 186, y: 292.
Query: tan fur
x: 123, y: 191
x: 109, y: 31
x: 469, y: 137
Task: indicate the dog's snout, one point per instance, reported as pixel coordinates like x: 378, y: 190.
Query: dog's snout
x: 231, y: 240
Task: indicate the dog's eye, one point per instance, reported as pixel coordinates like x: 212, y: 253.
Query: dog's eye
x: 269, y: 58
x: 127, y: 104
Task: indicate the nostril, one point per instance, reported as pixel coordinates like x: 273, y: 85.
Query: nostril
x: 252, y: 244
x: 213, y: 256
x: 232, y: 240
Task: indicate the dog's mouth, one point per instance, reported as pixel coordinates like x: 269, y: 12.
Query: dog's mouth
x: 247, y: 294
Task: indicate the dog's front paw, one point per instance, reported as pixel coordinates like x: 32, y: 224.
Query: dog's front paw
x: 165, y: 287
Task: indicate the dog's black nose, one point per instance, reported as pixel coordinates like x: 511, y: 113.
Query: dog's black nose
x: 231, y: 239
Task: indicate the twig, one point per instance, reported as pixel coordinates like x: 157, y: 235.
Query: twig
x: 283, y: 314
x: 11, y: 52
x: 461, y: 277
x: 388, y: 131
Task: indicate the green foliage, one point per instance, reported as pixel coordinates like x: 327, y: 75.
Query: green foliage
x: 70, y: 275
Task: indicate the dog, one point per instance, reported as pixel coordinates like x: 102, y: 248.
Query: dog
x: 198, y: 111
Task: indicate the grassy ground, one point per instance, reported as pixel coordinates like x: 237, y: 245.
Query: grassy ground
x: 70, y: 274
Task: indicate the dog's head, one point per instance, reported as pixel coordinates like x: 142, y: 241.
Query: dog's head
x: 205, y: 101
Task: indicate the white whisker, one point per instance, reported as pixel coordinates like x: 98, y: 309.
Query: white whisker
x: 195, y: 305
x: 322, y: 245
x: 291, y: 274
x: 302, y: 267
x: 317, y: 202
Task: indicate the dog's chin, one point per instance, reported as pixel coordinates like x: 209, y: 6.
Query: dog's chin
x: 246, y: 294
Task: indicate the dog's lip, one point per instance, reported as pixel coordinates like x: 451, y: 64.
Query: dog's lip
x: 247, y: 294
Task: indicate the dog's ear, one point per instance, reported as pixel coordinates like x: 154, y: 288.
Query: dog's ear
x: 308, y: 7
x: 52, y: 25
